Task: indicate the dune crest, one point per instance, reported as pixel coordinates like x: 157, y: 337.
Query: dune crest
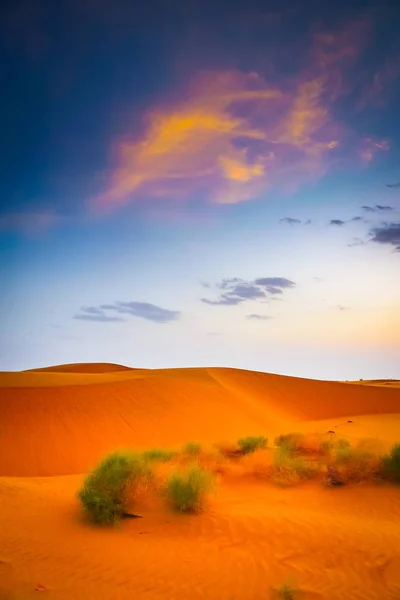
x: 62, y: 423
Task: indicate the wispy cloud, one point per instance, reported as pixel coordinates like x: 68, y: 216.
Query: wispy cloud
x: 236, y: 291
x: 380, y: 84
x: 290, y: 221
x: 235, y: 134
x: 337, y: 222
x: 93, y: 313
x: 356, y: 242
x: 144, y: 310
x: 393, y: 185
x: 368, y: 148
x: 377, y: 208
x: 256, y: 317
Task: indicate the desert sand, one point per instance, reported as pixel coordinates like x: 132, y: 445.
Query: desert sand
x: 57, y: 423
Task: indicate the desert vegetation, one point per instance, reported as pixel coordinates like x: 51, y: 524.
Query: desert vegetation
x: 251, y: 443
x: 187, y: 490
x: 113, y: 484
x: 391, y: 464
x: 123, y: 477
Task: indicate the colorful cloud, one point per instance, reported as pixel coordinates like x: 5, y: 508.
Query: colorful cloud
x: 236, y: 135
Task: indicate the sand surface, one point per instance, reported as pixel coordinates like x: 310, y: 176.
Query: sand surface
x: 55, y: 424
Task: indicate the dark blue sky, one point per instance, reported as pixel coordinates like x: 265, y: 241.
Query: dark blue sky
x: 149, y: 148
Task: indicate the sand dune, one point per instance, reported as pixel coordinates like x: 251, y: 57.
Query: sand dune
x: 340, y: 544
x: 333, y: 545
x: 82, y: 368
x: 82, y: 416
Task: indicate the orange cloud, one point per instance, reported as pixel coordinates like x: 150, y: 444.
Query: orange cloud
x: 236, y: 136
x: 230, y: 139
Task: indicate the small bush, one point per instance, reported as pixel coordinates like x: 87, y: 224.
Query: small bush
x: 357, y: 464
x: 250, y: 444
x: 289, y: 441
x: 391, y: 464
x: 158, y: 455
x: 329, y: 445
x: 187, y: 490
x: 112, y: 484
x: 290, y: 470
x: 192, y: 449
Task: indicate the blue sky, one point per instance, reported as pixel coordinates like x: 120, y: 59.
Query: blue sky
x: 169, y: 202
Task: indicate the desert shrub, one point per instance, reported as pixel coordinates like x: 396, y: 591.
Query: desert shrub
x: 192, y: 449
x: 288, y: 469
x: 187, y: 490
x: 330, y: 444
x: 252, y: 443
x: 158, y: 455
x: 358, y: 463
x: 109, y: 487
x: 291, y: 442
x: 391, y: 464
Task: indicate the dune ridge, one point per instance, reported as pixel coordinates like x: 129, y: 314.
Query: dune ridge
x: 64, y: 422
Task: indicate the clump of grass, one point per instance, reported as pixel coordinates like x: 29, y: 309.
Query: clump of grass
x: 288, y: 469
x: 291, y: 442
x: 158, y: 455
x: 327, y: 446
x: 358, y: 463
x: 391, y: 464
x: 112, y: 484
x: 187, y: 490
x: 192, y: 449
x: 250, y: 443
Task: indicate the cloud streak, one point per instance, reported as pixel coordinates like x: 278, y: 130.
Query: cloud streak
x: 93, y: 313
x: 143, y: 310
x: 236, y: 291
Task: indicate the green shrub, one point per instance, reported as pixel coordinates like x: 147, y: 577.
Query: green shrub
x: 391, y: 464
x: 289, y: 441
x: 288, y: 469
x: 158, y: 455
x: 250, y: 444
x: 192, y: 449
x: 187, y: 490
x: 356, y: 464
x: 108, y: 488
x: 330, y: 444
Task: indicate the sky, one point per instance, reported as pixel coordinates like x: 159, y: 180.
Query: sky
x: 201, y: 184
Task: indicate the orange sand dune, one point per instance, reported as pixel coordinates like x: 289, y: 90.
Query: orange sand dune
x: 83, y: 368
x: 65, y: 427
x: 332, y: 544
x: 341, y: 544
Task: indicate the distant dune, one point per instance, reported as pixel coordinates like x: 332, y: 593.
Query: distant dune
x: 82, y: 368
x: 61, y: 420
